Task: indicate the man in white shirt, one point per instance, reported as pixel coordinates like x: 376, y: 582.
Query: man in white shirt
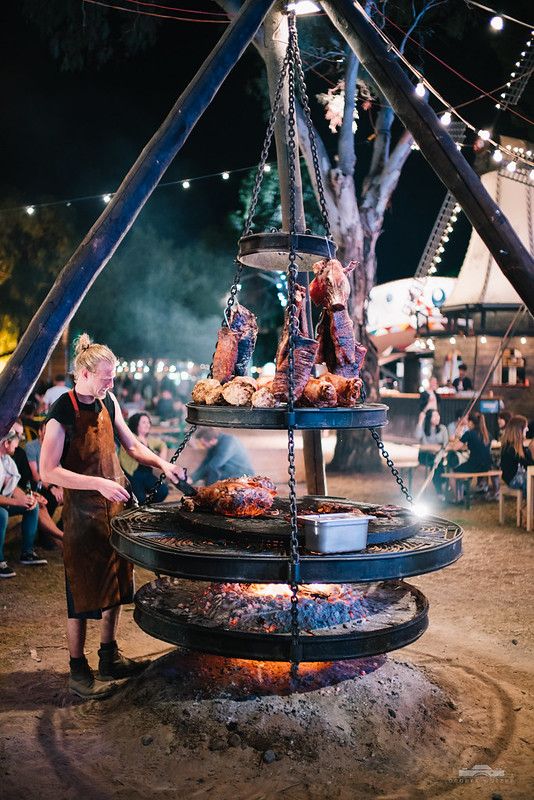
x: 14, y: 502
x: 55, y: 391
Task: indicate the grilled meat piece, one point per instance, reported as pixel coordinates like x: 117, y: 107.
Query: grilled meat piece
x: 235, y: 344
x: 331, y: 288
x: 319, y: 393
x: 207, y: 391
x: 234, y: 497
x: 263, y: 397
x: 348, y: 390
x: 243, y: 323
x: 338, y: 348
x: 225, y: 357
x: 239, y: 391
x: 305, y: 352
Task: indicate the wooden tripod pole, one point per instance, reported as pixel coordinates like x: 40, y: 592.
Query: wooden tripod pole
x: 436, y: 145
x: 96, y: 249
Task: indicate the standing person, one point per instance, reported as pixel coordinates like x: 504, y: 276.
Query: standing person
x: 462, y: 383
x: 55, y: 391
x: 226, y: 457
x: 141, y: 477
x: 79, y: 454
x: 503, y: 418
x: 432, y: 436
x: 515, y: 457
x: 428, y: 400
x: 13, y: 502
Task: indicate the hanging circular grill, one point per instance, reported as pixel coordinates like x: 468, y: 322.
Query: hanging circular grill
x: 279, y: 602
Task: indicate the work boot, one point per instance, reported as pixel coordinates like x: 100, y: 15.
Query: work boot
x: 112, y: 664
x: 82, y: 682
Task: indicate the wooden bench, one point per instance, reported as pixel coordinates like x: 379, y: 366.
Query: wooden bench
x: 507, y: 491
x: 468, y: 477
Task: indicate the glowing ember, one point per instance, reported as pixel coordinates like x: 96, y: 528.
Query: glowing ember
x: 283, y: 590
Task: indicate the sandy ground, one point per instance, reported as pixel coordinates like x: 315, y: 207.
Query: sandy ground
x: 193, y: 727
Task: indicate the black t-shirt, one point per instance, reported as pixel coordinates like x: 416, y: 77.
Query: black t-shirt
x: 63, y: 411
x: 462, y: 384
x: 479, y: 453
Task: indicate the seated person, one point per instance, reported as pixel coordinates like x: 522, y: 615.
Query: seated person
x: 476, y: 441
x: 428, y: 399
x: 432, y: 436
x: 164, y: 407
x: 55, y: 391
x: 503, y: 418
x: 226, y: 457
x: 134, y: 404
x: 141, y: 477
x: 515, y: 457
x: 14, y: 502
x: 48, y: 496
x: 462, y: 383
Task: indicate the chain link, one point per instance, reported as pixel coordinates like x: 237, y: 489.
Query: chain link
x: 292, y: 273
x: 301, y: 83
x: 389, y: 461
x: 181, y: 447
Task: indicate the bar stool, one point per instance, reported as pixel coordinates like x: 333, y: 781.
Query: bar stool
x: 507, y: 491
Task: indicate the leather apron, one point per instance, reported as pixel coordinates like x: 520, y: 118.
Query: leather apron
x: 98, y: 577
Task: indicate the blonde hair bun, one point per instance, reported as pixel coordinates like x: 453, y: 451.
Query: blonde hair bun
x: 88, y: 354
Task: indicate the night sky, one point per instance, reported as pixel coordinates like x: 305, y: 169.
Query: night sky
x: 73, y: 134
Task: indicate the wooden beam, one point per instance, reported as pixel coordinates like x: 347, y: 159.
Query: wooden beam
x: 436, y: 145
x: 96, y: 249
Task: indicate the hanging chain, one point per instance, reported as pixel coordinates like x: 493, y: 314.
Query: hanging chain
x: 389, y: 461
x: 181, y: 447
x: 292, y: 272
x: 301, y: 83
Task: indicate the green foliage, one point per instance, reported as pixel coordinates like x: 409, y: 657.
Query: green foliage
x: 157, y: 298
x: 80, y: 35
x: 33, y: 250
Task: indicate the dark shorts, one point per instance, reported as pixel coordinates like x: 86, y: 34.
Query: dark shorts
x: 95, y: 614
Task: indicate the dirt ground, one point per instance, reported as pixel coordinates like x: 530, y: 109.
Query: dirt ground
x: 199, y: 727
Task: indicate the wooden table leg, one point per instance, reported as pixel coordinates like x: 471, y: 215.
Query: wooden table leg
x: 530, y: 497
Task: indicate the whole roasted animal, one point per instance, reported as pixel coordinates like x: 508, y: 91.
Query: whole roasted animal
x: 235, y: 344
x: 233, y: 497
x: 305, y: 352
x: 338, y: 348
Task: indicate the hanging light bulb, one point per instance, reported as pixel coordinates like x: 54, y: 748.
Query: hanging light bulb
x: 185, y: 184
x: 511, y: 167
x: 106, y: 198
x: 523, y: 340
x: 497, y: 23
x: 452, y: 340
x: 267, y: 168
x: 446, y: 119
x: 420, y: 89
x: 30, y: 210
x: 483, y: 340
x: 484, y: 135
x: 225, y: 176
x: 497, y: 156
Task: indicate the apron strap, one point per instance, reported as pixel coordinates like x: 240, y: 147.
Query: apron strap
x: 74, y: 401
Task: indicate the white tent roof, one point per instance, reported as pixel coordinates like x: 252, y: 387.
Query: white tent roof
x: 480, y: 279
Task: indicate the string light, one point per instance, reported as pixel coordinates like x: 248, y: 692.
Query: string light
x: 446, y: 119
x: 484, y: 135
x: 497, y: 156
x: 30, y: 210
x: 267, y: 168
x: 225, y: 176
x: 497, y: 23
x: 106, y: 198
x: 483, y: 340
x: 452, y: 340
x: 511, y: 166
x: 420, y: 89
x: 186, y: 184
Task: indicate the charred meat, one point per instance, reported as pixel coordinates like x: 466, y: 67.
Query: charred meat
x: 235, y: 344
x: 234, y: 497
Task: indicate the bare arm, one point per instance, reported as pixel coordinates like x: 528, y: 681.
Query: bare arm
x: 53, y: 472
x: 139, y: 451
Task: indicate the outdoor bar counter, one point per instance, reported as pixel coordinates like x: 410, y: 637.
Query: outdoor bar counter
x: 404, y: 411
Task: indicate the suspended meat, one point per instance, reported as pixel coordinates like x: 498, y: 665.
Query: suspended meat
x: 338, y: 348
x: 235, y: 344
x: 305, y: 352
x: 264, y: 397
x: 348, y: 390
x: 319, y: 393
x: 233, y: 497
